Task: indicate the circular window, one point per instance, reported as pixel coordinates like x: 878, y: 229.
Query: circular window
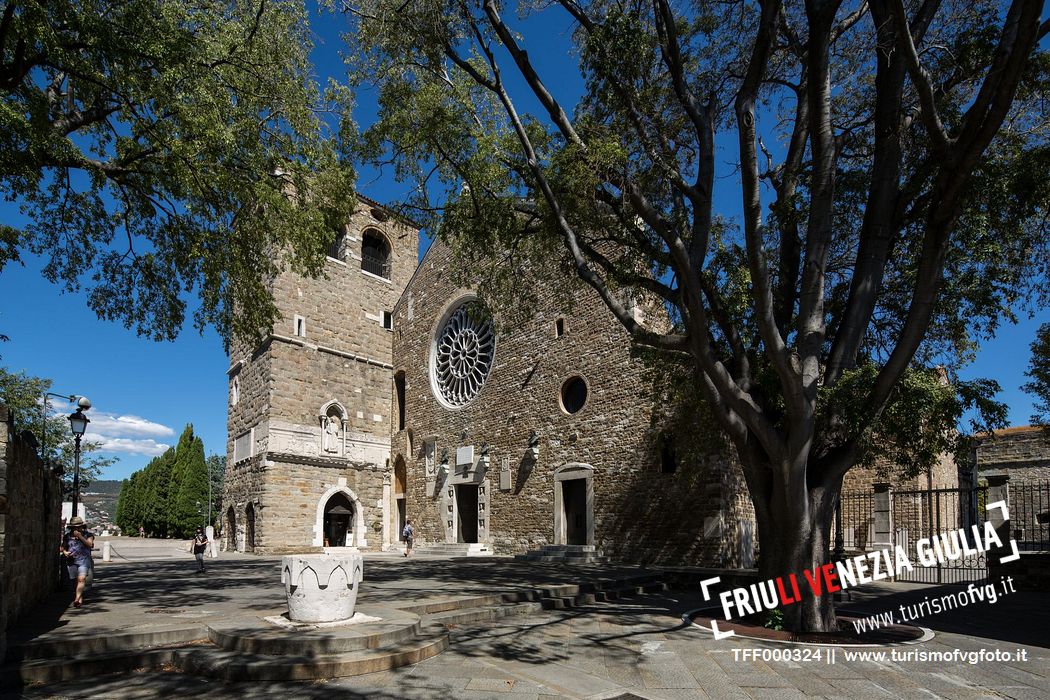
x: 462, y: 352
x: 573, y: 394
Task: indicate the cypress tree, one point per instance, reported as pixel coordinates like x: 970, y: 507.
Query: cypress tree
x: 189, y: 488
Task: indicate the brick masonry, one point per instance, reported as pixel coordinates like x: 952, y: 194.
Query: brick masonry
x: 30, y: 525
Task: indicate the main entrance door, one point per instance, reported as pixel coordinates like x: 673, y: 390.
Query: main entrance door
x: 574, y: 501
x: 467, y: 510
x: 338, y: 519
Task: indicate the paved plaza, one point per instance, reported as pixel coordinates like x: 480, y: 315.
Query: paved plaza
x: 637, y: 647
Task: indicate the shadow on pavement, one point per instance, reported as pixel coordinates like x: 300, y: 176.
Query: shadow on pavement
x: 1019, y: 618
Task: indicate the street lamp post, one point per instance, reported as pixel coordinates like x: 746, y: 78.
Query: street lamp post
x: 78, y: 423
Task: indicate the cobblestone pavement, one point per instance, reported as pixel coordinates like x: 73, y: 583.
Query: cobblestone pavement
x: 638, y: 648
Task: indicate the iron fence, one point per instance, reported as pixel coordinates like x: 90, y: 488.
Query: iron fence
x: 1030, y: 515
x: 858, y: 522
x: 926, y: 514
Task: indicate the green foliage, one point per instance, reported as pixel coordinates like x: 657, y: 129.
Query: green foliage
x: 169, y: 495
x: 622, y: 172
x: 887, y: 214
x: 917, y: 427
x: 189, y: 506
x: 775, y: 619
x: 23, y: 394
x: 216, y: 465
x: 159, y: 148
x: 1039, y: 373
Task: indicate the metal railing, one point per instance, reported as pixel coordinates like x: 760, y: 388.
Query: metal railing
x: 1030, y: 515
x: 858, y: 521
x: 377, y: 265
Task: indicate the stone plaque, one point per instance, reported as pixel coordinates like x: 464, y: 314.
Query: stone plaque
x: 464, y: 458
x: 504, y: 474
x: 242, y: 446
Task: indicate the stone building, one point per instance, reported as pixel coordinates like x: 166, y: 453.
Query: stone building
x: 512, y: 437
x: 547, y: 433
x: 1022, y: 452
x: 389, y: 392
x: 309, y: 408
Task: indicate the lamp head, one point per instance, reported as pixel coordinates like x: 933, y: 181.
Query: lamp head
x: 83, y: 403
x: 78, y: 422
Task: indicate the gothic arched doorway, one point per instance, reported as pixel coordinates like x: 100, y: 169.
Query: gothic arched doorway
x: 339, y: 521
x: 249, y: 528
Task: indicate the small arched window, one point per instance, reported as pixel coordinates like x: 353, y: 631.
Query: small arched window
x: 375, y: 254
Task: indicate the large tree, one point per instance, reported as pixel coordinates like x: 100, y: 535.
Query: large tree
x: 189, y: 489
x: 1039, y: 374
x: 160, y: 147
x: 38, y: 414
x: 888, y: 187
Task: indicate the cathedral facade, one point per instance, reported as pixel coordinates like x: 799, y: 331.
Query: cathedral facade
x: 390, y: 392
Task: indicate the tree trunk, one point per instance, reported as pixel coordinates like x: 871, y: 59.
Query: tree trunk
x: 793, y: 537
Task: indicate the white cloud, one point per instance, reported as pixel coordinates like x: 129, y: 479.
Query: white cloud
x: 141, y: 446
x: 112, y: 425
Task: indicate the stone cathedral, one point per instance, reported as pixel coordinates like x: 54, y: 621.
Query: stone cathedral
x: 386, y: 392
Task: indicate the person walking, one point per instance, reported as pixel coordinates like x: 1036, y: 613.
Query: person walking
x: 200, y: 546
x: 76, y: 546
x: 406, y: 535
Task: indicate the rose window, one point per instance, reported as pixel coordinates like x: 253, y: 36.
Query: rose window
x: 462, y: 354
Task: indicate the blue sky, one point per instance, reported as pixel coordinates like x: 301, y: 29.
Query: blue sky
x: 145, y: 392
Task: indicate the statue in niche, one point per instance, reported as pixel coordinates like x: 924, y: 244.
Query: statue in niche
x: 330, y: 441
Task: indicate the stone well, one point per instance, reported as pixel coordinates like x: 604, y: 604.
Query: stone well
x: 321, y: 587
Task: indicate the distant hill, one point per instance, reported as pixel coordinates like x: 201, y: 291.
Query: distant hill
x: 100, y: 500
x: 109, y: 487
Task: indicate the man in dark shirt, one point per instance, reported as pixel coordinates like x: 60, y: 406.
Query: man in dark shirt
x: 77, y: 546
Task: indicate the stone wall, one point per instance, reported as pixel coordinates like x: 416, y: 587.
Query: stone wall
x: 640, y: 512
x: 328, y: 356
x: 30, y: 524
x: 1022, y: 452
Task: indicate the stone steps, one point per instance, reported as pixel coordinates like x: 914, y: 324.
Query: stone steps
x: 231, y: 666
x: 279, y: 642
x: 564, y: 554
x: 454, y: 549
x: 73, y: 667
x: 601, y: 596
x: 250, y: 648
x: 52, y: 647
x: 485, y: 614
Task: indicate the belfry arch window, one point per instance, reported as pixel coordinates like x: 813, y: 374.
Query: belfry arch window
x: 375, y: 254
